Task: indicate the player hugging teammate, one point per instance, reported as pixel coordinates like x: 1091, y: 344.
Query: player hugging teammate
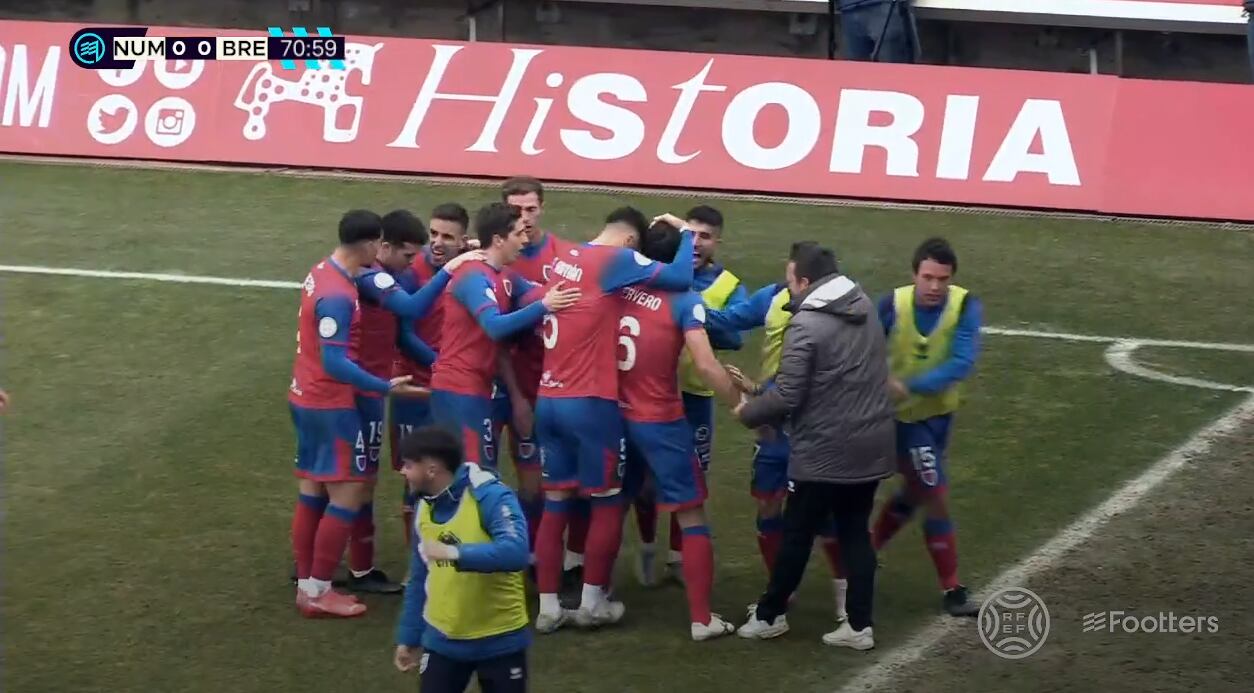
x: 598, y: 358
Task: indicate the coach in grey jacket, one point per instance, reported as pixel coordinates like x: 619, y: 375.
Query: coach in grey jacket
x: 831, y: 391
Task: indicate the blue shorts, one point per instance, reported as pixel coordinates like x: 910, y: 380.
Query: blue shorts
x: 665, y: 449
x: 522, y: 448
x: 699, y: 411
x: 581, y: 444
x: 921, y: 454
x: 407, y: 413
x: 372, y: 410
x: 770, y: 467
x: 471, y: 418
x: 330, y: 446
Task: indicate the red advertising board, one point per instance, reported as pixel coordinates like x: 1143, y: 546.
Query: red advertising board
x: 785, y: 125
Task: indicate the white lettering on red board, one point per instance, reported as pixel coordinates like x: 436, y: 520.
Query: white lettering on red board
x: 23, y: 99
x: 603, y: 101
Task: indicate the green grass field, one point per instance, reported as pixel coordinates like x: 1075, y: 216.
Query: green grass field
x: 148, y: 451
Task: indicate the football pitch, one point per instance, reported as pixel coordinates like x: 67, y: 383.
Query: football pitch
x: 147, y: 474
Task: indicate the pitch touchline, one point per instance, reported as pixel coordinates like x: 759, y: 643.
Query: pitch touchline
x: 273, y: 284
x: 882, y: 673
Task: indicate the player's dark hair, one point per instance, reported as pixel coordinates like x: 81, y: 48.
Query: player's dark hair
x: 495, y: 220
x: 451, y: 211
x: 660, y: 242
x: 434, y: 442
x: 814, y: 262
x: 632, y: 217
x: 400, y: 226
x: 800, y: 247
x: 937, y: 250
x: 706, y: 215
x: 522, y: 185
x: 359, y: 225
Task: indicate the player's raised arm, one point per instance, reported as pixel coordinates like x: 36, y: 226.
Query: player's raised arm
x: 692, y: 321
x: 962, y: 356
x: 335, y: 315
x: 503, y: 519
x: 629, y: 267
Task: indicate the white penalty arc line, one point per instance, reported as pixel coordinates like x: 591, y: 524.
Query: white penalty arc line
x: 882, y: 674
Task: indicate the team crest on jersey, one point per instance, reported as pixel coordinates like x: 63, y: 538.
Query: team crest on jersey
x: 509, y: 287
x: 546, y: 272
x: 309, y: 284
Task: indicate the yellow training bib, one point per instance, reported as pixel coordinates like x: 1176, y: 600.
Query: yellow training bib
x: 467, y: 605
x: 910, y: 353
x: 715, y: 297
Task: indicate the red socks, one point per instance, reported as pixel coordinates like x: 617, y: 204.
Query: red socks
x: 770, y: 536
x: 361, y: 541
x: 333, y: 532
x: 548, y: 546
x: 579, y: 514
x: 308, y: 512
x: 698, y: 572
x: 605, y: 533
x: 893, y: 516
x: 943, y: 547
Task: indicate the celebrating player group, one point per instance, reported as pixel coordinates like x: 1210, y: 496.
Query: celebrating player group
x: 600, y: 359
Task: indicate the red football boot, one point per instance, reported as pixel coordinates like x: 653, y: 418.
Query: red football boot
x: 331, y: 604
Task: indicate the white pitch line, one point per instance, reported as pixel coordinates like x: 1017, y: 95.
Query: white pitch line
x: 887, y: 668
x: 145, y: 276
x: 274, y: 284
x: 1119, y: 356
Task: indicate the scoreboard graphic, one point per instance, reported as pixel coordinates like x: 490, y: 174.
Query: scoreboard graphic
x: 119, y: 48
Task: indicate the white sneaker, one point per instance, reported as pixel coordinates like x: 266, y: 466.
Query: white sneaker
x: 841, y: 587
x: 846, y: 636
x: 646, y: 567
x: 549, y: 623
x: 757, y: 629
x: 607, y: 613
x: 716, y: 628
